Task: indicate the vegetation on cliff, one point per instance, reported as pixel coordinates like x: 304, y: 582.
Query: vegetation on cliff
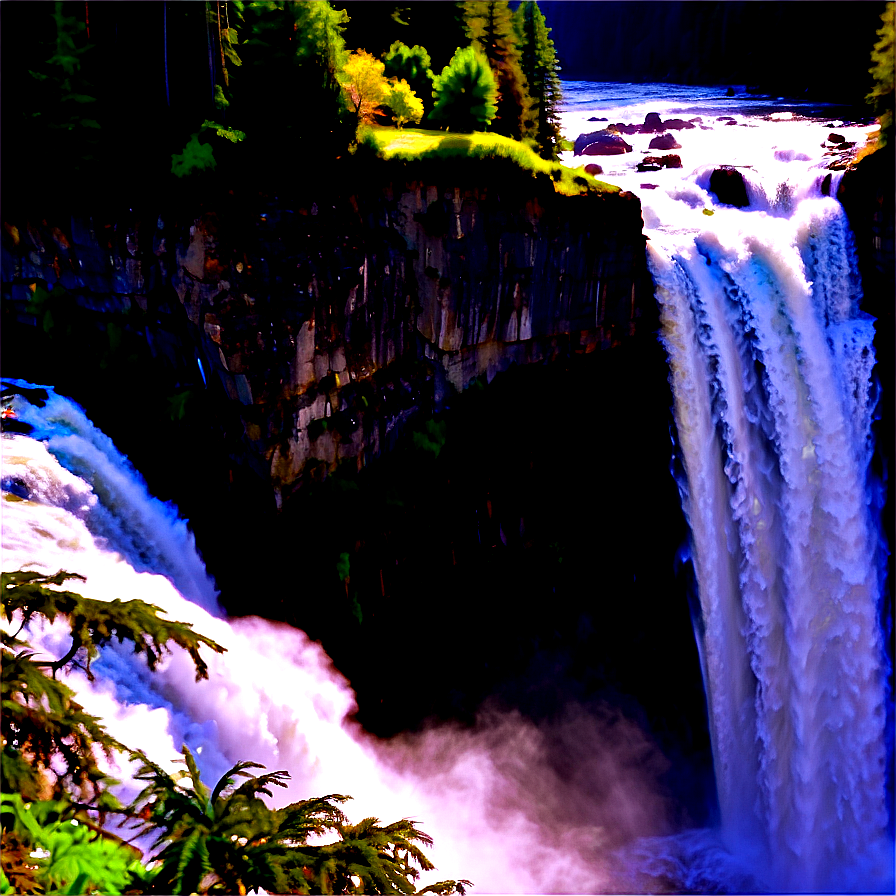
x: 255, y: 91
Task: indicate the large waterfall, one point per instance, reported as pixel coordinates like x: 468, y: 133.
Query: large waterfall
x: 770, y: 362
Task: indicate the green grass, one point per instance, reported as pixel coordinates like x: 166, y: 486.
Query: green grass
x: 412, y: 144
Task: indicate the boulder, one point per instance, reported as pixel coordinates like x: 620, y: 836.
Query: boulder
x: 593, y: 170
x: 678, y: 124
x: 836, y: 138
x: 728, y: 185
x: 584, y: 139
x: 656, y: 163
x: 607, y: 145
x: 596, y: 119
x: 664, y: 141
x: 653, y: 124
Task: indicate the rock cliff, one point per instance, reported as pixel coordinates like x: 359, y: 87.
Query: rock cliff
x: 329, y: 318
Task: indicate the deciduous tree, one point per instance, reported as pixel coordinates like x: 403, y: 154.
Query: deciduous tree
x: 411, y: 64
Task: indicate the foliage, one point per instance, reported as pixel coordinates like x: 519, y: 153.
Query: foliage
x: 49, y: 740
x: 48, y: 849
x: 417, y: 144
x: 540, y: 66
x: 404, y: 104
x: 298, y: 47
x: 413, y: 65
x: 59, y: 111
x: 465, y: 93
x: 195, y: 157
x: 490, y: 30
x: 883, y: 94
x: 228, y: 840
x: 365, y: 84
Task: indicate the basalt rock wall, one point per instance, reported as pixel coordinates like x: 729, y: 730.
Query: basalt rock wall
x: 326, y: 321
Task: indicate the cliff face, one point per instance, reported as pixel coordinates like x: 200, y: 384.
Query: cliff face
x: 327, y: 322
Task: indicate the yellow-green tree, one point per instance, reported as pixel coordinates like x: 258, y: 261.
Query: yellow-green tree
x: 404, y: 104
x: 365, y: 85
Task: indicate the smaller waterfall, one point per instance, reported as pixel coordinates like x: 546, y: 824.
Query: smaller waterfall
x: 497, y: 810
x: 771, y: 361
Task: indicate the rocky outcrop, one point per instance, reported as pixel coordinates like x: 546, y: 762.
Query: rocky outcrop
x: 328, y: 321
x: 728, y: 185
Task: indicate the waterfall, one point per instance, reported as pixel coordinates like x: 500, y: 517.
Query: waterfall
x: 770, y: 364
x: 496, y: 808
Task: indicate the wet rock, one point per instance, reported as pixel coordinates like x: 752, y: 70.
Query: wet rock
x: 678, y: 124
x: 626, y: 128
x: 725, y: 118
x: 657, y: 163
x: 653, y: 124
x: 826, y: 185
x: 836, y: 138
x: 596, y: 119
x: 584, y: 140
x: 664, y: 141
x: 593, y: 169
x: 729, y: 92
x: 728, y: 185
x: 607, y: 145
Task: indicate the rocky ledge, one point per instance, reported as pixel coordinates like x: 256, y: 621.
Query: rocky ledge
x: 326, y: 320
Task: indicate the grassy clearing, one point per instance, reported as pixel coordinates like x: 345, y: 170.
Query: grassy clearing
x: 411, y: 144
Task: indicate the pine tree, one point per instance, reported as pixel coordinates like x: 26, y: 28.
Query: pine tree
x: 465, y: 93
x: 490, y: 29
x: 541, y: 68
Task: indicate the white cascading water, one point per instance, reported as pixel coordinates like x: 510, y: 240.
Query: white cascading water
x: 770, y: 364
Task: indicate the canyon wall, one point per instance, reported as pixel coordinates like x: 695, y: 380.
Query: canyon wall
x: 328, y: 320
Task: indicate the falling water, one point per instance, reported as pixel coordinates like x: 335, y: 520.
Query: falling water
x: 771, y: 361
x: 498, y: 812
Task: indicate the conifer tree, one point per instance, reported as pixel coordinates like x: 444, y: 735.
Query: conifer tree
x: 465, y: 93
x: 490, y: 29
x: 541, y: 68
x: 287, y: 89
